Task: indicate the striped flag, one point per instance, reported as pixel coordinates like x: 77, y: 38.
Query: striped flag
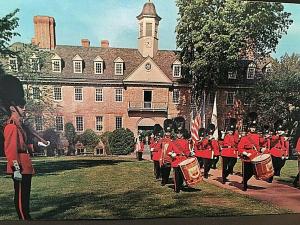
x: 196, y: 124
x: 214, y: 118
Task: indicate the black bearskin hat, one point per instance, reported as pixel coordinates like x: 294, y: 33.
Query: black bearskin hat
x: 186, y: 134
x: 232, y: 124
x: 252, y: 119
x: 157, y: 129
x: 168, y: 125
x: 11, y: 92
x: 201, y: 132
x: 211, y: 128
x: 179, y: 124
x: 278, y: 125
x: 265, y: 129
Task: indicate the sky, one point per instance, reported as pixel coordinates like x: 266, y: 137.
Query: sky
x: 115, y: 20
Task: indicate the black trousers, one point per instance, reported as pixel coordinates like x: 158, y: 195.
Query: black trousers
x: 207, y: 163
x: 157, y: 172
x: 228, y: 165
x: 278, y: 163
x: 140, y: 156
x: 247, y: 173
x: 214, y: 162
x: 200, y: 161
x: 178, y: 179
x: 22, y: 196
x: 296, y: 181
x: 165, y: 173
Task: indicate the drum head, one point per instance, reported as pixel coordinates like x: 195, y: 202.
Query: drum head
x: 187, y: 161
x: 260, y: 158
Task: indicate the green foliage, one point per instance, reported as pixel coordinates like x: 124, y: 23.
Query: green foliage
x: 121, y: 141
x: 213, y: 35
x: 54, y: 138
x: 277, y: 94
x: 70, y: 134
x: 89, y: 139
x: 7, y: 24
x: 105, y: 140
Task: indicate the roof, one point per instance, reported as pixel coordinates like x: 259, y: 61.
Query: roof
x: 148, y: 10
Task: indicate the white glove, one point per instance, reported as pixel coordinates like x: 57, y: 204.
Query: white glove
x: 286, y: 157
x: 263, y: 150
x: 249, y: 154
x: 17, y: 175
x: 151, y: 149
x: 41, y: 144
x: 173, y: 155
x: 244, y: 153
x: 192, y: 153
x: 282, y: 157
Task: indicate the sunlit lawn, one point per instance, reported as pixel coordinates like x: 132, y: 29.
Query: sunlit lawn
x: 115, y: 188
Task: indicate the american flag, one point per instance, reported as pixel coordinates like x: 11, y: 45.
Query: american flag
x: 196, y: 124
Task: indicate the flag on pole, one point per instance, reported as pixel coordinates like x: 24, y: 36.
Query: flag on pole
x: 196, y: 124
x: 214, y: 118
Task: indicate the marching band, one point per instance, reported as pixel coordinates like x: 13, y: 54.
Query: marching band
x: 263, y: 152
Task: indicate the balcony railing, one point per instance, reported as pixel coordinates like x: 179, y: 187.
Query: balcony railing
x: 148, y: 106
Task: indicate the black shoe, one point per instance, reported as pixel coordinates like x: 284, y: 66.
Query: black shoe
x: 224, y: 180
x: 245, y: 187
x: 206, y: 176
x: 163, y: 183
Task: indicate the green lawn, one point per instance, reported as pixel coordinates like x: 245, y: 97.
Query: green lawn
x: 118, y: 188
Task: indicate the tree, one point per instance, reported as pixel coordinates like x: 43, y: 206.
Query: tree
x: 121, y: 141
x: 70, y: 135
x: 89, y: 138
x: 54, y: 138
x: 213, y: 35
x: 277, y: 94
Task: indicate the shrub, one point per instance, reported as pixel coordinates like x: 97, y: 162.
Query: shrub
x: 121, y: 142
x: 89, y: 139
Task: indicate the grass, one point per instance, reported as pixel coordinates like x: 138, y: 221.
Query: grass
x: 119, y: 188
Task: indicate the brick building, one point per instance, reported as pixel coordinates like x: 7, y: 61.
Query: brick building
x: 104, y: 88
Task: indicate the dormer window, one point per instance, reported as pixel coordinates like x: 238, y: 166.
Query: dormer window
x: 119, y: 66
x: 13, y: 64
x: 98, y: 65
x: 35, y: 63
x: 177, y: 69
x: 231, y: 75
x: 56, y: 64
x: 251, y: 71
x: 268, y: 69
x: 77, y: 64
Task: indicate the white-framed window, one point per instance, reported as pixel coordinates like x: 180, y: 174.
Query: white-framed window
x: 119, y: 122
x: 78, y: 94
x: 59, y: 123
x: 79, y: 123
x: 176, y: 96
x: 56, y: 65
x: 149, y: 29
x: 177, y: 69
x: 230, y: 98
x: 118, y: 68
x: 35, y: 63
x: 98, y: 67
x: 13, y: 64
x: 119, y: 95
x: 251, y: 71
x: 99, y: 95
x: 57, y: 93
x: 231, y: 74
x: 99, y: 123
x: 38, y: 120
x: 77, y: 66
x: 36, y: 93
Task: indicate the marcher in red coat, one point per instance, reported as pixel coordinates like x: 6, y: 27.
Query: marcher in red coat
x: 296, y: 181
x: 198, y: 146
x: 229, y: 151
x: 279, y: 148
x: 155, y: 149
x: 249, y: 148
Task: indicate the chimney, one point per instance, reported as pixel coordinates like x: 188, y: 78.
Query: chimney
x: 104, y: 43
x: 85, y: 43
x: 44, y: 32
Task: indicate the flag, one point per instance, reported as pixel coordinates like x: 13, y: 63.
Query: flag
x: 214, y: 118
x: 196, y: 124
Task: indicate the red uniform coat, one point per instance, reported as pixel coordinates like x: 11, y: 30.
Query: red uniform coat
x: 181, y: 148
x: 279, y: 147
x: 229, y: 148
x: 198, y: 147
x: 164, y: 150
x: 156, y: 146
x: 265, y: 143
x: 15, y: 148
x: 250, y: 144
x: 298, y: 145
x: 210, y: 149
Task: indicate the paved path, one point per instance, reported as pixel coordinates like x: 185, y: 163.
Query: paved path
x: 278, y: 193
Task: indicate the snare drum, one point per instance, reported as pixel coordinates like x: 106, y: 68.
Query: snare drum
x: 191, y: 171
x: 262, y: 166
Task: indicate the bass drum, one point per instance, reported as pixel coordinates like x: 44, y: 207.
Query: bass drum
x: 191, y: 171
x: 263, y: 167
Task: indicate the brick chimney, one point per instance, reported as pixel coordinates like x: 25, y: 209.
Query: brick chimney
x: 44, y: 32
x: 104, y: 43
x: 85, y: 43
